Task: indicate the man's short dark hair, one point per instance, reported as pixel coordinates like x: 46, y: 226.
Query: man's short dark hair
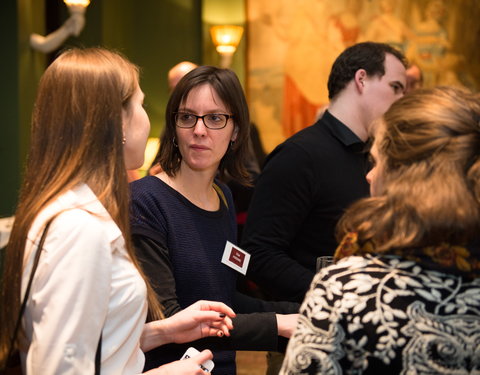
x: 368, y: 55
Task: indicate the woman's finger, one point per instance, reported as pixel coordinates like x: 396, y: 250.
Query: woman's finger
x: 211, y: 317
x: 216, y: 306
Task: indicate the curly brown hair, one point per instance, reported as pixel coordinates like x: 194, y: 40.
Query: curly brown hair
x: 430, y: 146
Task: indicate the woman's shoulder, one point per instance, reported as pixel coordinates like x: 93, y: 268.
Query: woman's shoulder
x: 153, y: 205
x: 391, y: 280
x: 145, y: 186
x: 222, y: 186
x: 75, y: 211
x: 75, y: 231
x: 224, y: 192
x: 150, y: 193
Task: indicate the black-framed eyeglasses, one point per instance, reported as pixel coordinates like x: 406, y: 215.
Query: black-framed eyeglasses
x: 210, y: 120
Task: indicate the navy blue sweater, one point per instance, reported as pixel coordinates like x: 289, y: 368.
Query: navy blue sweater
x: 180, y: 247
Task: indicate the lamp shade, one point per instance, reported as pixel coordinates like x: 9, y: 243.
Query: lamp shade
x: 226, y: 37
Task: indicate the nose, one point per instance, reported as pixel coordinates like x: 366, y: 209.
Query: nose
x: 369, y: 176
x: 200, y: 129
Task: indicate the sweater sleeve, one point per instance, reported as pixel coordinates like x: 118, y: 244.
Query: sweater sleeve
x: 256, y: 331
x: 245, y: 304
x: 281, y: 202
x: 156, y: 264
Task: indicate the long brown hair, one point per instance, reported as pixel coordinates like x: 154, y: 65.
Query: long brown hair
x: 430, y: 148
x: 76, y: 137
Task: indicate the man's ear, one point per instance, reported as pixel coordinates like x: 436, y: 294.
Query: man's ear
x: 360, y: 77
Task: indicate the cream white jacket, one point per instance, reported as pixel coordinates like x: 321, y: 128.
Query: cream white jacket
x: 85, y: 284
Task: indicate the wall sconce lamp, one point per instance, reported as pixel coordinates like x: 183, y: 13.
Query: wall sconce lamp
x: 151, y: 150
x: 226, y: 39
x: 72, y: 26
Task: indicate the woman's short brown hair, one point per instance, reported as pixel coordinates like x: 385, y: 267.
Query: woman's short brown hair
x: 228, y: 88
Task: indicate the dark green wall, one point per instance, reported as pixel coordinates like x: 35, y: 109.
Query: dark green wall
x: 21, y: 69
x: 9, y: 132
x: 156, y: 36
x: 153, y: 34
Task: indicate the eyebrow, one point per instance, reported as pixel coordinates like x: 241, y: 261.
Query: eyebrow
x: 215, y: 111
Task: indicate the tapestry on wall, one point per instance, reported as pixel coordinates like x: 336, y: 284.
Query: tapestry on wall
x: 292, y: 45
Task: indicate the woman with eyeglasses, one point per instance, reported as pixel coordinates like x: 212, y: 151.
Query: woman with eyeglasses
x: 183, y: 217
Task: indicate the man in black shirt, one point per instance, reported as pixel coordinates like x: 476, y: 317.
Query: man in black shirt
x: 310, y: 179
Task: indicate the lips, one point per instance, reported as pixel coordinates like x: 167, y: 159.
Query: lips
x: 199, y: 147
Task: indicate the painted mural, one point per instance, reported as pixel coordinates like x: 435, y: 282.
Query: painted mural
x: 292, y: 45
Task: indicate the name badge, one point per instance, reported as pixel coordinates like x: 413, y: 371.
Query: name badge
x: 235, y: 258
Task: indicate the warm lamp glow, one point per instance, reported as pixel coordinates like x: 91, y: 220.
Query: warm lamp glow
x: 226, y: 38
x: 226, y: 49
x: 151, y: 150
x: 83, y: 3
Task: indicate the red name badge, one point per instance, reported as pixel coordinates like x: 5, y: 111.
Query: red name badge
x: 235, y: 258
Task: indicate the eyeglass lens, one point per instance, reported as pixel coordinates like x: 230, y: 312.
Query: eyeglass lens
x: 211, y: 120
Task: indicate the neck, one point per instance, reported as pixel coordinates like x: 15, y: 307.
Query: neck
x: 348, y: 111
x: 196, y: 186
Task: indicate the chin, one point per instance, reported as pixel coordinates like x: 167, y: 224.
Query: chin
x: 132, y: 166
x: 198, y: 166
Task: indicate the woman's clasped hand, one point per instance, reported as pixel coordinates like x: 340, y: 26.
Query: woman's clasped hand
x: 199, y: 320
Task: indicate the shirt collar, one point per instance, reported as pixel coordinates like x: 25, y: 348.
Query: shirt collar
x: 340, y: 131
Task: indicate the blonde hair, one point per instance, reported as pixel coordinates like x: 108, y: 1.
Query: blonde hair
x: 431, y: 176
x: 76, y: 137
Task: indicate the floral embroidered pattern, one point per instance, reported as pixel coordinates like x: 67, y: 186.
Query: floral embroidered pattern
x: 315, y: 347
x: 440, y: 345
x: 387, y: 314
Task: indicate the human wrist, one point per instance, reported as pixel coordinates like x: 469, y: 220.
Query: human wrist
x: 279, y: 324
x: 155, y: 334
x: 286, y: 324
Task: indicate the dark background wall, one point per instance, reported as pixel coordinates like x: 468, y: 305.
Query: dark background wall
x: 9, y: 156
x: 20, y: 69
x: 153, y: 34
